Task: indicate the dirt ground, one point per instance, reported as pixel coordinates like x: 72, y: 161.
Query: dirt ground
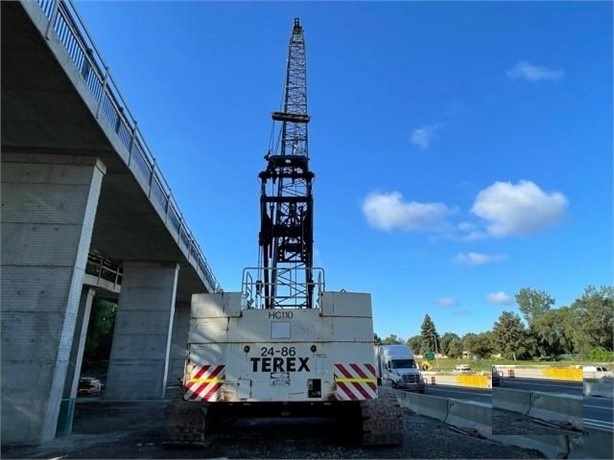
x: 115, y: 430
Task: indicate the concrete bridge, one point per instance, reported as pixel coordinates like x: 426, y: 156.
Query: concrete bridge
x: 78, y: 179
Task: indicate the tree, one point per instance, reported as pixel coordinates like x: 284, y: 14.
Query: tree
x: 554, y: 331
x: 392, y: 339
x: 468, y: 341
x: 567, y: 322
x: 455, y: 348
x: 445, y: 341
x: 483, y: 345
x: 415, y: 343
x: 533, y: 303
x: 510, y: 336
x: 595, y: 312
x: 429, y: 335
x: 99, y: 332
x: 376, y: 340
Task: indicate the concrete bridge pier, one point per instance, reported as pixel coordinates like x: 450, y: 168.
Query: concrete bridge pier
x: 71, y: 384
x: 139, y: 362
x: 49, y: 205
x: 179, y: 340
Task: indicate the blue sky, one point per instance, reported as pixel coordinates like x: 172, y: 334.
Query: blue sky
x: 462, y: 150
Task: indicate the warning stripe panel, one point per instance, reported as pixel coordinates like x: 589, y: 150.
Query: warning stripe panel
x: 204, y: 383
x: 355, y: 382
x: 201, y: 371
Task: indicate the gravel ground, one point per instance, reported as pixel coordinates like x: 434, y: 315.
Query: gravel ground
x: 506, y: 422
x: 133, y: 430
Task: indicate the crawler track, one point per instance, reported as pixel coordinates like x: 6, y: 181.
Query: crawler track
x: 382, y: 422
x: 185, y: 423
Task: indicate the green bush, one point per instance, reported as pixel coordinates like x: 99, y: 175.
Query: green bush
x: 600, y: 354
x: 99, y: 335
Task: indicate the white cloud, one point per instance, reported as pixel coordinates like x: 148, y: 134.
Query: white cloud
x: 532, y: 72
x: 499, y: 298
x: 518, y: 209
x: 387, y: 211
x: 472, y: 233
x: 466, y: 226
x: 423, y: 136
x: 446, y: 302
x: 475, y: 258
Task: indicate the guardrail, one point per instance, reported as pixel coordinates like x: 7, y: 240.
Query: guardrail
x: 65, y: 22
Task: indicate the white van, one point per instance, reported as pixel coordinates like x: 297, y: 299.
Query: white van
x: 594, y: 369
x: 396, y: 366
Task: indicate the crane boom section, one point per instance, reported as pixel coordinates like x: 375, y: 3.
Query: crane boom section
x: 286, y: 201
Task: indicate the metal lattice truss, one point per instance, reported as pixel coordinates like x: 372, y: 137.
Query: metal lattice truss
x: 286, y: 203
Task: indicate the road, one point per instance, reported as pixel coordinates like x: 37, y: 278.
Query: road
x: 599, y: 412
x: 548, y: 386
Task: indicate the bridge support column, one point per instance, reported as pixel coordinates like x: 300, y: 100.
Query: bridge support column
x: 48, y: 209
x: 139, y: 363
x: 181, y: 325
x: 71, y: 385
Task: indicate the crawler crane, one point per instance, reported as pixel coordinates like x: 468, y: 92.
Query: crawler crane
x: 283, y: 345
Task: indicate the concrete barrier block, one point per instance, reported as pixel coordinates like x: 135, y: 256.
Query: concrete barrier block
x: 597, y: 443
x: 529, y: 372
x: 474, y: 381
x: 551, y: 445
x: 441, y: 379
x: 513, y: 400
x: 429, y: 406
x: 603, y: 387
x: 471, y: 415
x: 558, y: 408
x: 563, y: 373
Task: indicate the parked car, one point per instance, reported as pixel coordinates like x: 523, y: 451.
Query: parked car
x: 89, y: 386
x: 462, y: 369
x: 496, y: 377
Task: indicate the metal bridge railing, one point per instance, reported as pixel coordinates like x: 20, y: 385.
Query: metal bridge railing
x: 104, y: 269
x: 64, y: 20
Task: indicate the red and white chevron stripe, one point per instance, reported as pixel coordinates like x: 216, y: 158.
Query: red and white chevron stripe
x: 355, y: 382
x: 204, y: 383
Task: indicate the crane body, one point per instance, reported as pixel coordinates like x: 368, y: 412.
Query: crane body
x: 284, y: 345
